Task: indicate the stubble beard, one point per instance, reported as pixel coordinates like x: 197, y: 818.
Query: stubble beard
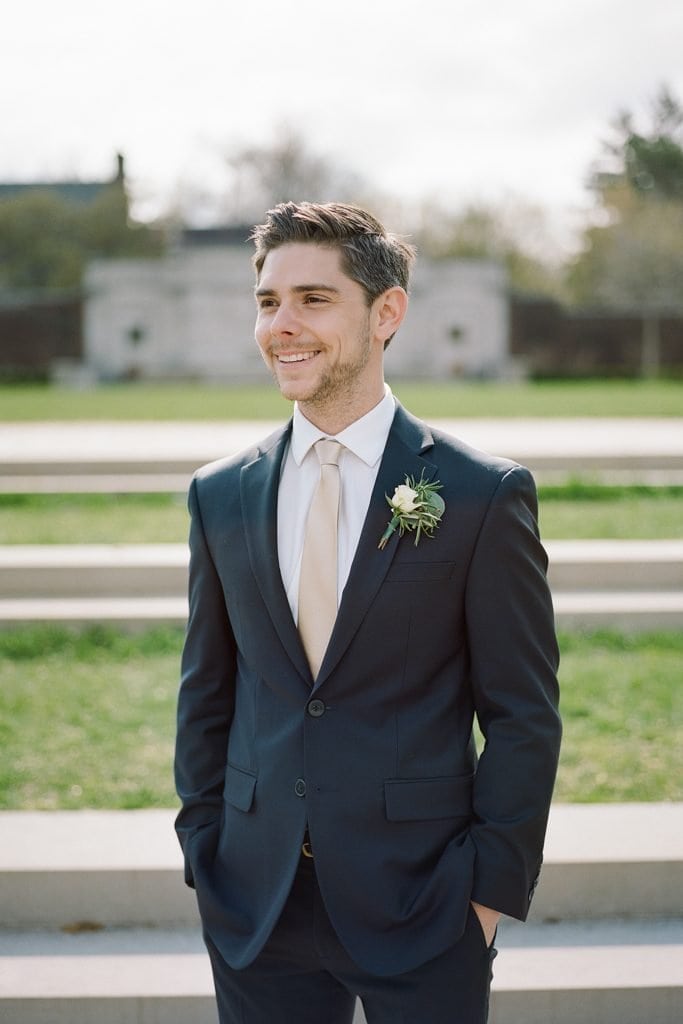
x: 337, y: 385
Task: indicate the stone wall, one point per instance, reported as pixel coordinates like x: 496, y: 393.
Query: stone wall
x: 192, y: 315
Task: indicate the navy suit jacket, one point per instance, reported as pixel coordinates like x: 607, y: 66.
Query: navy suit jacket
x: 376, y: 756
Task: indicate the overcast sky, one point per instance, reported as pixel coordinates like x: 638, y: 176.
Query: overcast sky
x: 462, y: 100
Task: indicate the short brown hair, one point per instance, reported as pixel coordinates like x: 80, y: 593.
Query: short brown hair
x: 370, y: 255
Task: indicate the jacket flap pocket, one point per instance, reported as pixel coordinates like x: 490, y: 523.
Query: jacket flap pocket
x: 422, y: 799
x: 420, y: 572
x: 239, y: 787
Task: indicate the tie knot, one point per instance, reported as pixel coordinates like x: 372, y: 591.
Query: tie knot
x: 328, y: 451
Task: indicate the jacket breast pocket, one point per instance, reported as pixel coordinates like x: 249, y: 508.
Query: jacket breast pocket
x: 428, y: 799
x: 239, y: 788
x: 420, y: 572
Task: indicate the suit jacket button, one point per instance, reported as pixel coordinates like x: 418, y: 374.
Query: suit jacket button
x: 300, y: 787
x: 316, y: 708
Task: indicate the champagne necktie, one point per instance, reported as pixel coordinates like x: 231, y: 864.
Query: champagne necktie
x: 318, y: 583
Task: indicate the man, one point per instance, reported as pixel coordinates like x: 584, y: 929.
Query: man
x: 341, y: 835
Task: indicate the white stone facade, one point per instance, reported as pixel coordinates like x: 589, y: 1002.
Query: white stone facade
x: 191, y: 314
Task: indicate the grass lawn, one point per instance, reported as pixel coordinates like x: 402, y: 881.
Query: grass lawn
x: 573, y: 512
x: 580, y: 511
x: 622, y: 705
x: 87, y: 718
x: 93, y: 519
x: 263, y: 401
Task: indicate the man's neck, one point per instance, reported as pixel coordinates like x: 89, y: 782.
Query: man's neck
x: 336, y: 416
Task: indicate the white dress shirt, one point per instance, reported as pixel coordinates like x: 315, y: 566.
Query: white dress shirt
x: 364, y: 442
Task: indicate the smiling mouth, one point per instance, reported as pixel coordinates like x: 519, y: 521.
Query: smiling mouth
x: 295, y: 357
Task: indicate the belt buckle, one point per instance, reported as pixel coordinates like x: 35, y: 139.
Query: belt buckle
x: 306, y: 848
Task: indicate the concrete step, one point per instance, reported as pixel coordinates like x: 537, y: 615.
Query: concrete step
x: 123, y: 612
x: 149, y: 570
x: 93, y: 570
x: 124, y: 868
x: 604, y: 973
x: 75, y: 887
x: 120, y: 456
x: 629, y: 612
x: 121, y: 977
x: 624, y: 565
x: 628, y: 585
x: 99, y: 481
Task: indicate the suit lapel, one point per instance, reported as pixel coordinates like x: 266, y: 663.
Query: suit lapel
x: 259, y: 482
x: 408, y: 438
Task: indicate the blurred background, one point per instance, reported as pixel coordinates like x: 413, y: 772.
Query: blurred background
x: 534, y: 155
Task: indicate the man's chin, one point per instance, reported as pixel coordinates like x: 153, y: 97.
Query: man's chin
x: 295, y: 391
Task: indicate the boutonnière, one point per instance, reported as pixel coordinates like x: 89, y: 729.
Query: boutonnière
x: 415, y: 506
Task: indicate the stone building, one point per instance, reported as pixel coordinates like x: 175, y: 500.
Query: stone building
x: 191, y: 314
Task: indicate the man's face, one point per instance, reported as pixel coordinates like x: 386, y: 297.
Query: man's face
x: 313, y: 326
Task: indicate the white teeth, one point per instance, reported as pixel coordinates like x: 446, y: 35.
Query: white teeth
x: 297, y: 357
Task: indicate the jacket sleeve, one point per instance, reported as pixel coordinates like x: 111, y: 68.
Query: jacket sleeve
x: 206, y: 697
x: 514, y: 660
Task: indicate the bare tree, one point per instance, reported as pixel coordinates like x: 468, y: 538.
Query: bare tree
x: 286, y: 169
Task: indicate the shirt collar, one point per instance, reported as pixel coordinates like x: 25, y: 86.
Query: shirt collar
x: 366, y: 437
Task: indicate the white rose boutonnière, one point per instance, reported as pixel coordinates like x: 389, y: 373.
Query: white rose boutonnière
x: 415, y: 505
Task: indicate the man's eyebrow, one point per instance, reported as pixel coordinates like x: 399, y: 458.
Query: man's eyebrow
x: 299, y: 289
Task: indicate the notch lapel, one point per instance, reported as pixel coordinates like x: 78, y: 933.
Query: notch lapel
x: 259, y: 482
x: 408, y: 438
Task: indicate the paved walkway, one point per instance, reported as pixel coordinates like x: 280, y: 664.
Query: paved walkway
x: 129, y: 457
x: 515, y: 438
x: 632, y: 585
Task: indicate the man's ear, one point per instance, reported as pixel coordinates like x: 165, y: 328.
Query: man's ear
x: 390, y: 309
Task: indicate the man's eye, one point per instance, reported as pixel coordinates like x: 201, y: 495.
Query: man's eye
x: 266, y: 303
x: 312, y: 299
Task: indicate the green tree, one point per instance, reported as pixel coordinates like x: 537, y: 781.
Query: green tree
x: 652, y: 164
x: 46, y: 241
x: 633, y: 257
x: 636, y: 261
x: 105, y: 229
x: 39, y: 245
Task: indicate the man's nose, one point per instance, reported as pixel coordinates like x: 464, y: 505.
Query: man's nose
x: 285, y: 321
